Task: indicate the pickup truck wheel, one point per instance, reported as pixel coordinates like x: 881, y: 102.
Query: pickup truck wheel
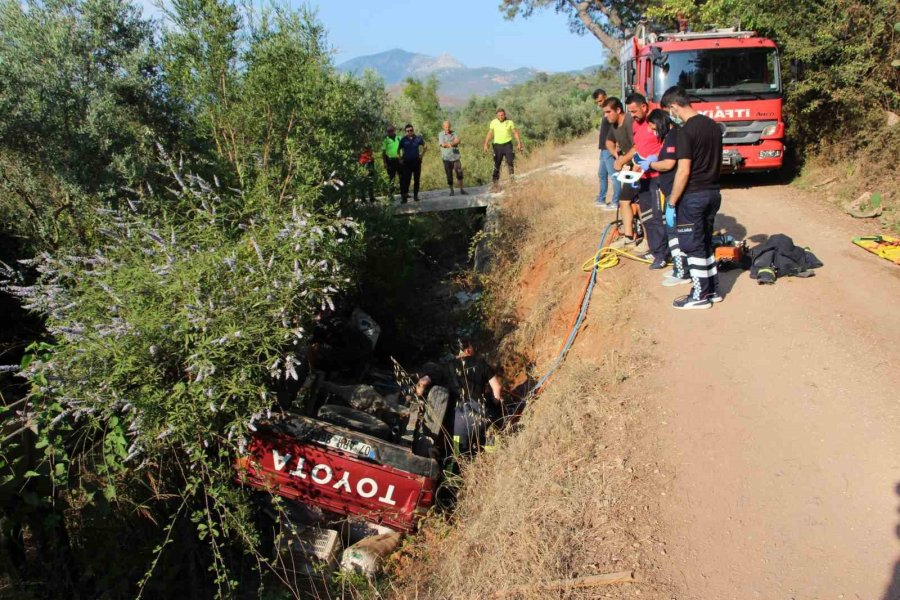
x: 357, y: 420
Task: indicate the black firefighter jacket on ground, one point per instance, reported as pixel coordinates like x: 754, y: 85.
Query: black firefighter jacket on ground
x: 779, y: 257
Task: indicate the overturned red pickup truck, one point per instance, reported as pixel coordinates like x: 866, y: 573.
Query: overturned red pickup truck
x: 341, y: 471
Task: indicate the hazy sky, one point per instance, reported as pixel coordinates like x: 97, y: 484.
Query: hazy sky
x: 473, y: 31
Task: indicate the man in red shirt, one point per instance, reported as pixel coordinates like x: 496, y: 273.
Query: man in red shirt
x: 367, y: 161
x: 645, y: 151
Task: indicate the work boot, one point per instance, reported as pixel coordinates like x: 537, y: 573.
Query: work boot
x: 404, y: 199
x: 463, y: 191
x: 416, y: 197
x: 451, y: 191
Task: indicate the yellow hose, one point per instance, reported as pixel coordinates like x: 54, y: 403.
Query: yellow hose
x: 606, y: 258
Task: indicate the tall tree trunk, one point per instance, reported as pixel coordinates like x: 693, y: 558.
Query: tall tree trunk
x: 582, y: 10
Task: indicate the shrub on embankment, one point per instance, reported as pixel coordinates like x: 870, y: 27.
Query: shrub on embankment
x: 170, y: 199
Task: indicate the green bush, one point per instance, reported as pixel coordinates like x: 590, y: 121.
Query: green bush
x: 267, y: 98
x: 170, y: 336
x: 82, y: 103
x: 189, y: 299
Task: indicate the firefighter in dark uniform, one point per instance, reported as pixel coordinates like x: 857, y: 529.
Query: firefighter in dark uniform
x: 695, y: 197
x: 471, y: 377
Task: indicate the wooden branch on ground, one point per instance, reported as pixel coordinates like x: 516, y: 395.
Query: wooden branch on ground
x: 568, y: 584
x: 826, y: 182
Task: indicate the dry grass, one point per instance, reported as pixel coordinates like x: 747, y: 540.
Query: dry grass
x: 542, y: 507
x: 839, y: 176
x: 548, y: 227
x: 562, y: 497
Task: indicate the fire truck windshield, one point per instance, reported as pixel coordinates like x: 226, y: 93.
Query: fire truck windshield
x: 720, y: 72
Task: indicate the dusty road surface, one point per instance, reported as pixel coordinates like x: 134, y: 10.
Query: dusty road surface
x: 778, y: 414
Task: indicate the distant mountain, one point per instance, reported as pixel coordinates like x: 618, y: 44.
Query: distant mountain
x: 396, y: 65
x: 457, y: 82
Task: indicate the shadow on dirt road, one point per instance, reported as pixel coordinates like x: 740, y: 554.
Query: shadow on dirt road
x: 893, y: 590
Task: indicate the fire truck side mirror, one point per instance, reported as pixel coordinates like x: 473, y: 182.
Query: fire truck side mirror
x: 797, y: 69
x: 658, y: 57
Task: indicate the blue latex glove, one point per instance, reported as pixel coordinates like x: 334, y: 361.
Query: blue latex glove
x: 644, y: 163
x: 670, y: 216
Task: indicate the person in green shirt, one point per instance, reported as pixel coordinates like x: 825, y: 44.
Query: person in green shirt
x: 502, y: 130
x: 390, y: 147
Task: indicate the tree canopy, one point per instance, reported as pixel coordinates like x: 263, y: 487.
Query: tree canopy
x: 607, y: 20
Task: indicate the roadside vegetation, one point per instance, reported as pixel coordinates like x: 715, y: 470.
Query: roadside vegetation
x: 550, y: 109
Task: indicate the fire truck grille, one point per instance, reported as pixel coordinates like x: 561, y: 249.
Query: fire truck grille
x: 743, y: 132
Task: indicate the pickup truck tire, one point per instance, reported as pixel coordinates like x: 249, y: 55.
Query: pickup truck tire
x: 357, y: 420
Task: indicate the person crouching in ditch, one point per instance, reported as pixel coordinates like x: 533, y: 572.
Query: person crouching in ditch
x: 470, y: 377
x: 449, y: 142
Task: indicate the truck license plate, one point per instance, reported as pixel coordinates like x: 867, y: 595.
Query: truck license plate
x: 339, y: 442
x: 726, y: 159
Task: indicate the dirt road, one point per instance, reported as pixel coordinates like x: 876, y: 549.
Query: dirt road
x: 779, y: 414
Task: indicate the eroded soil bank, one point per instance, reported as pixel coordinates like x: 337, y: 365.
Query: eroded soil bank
x: 561, y: 499
x: 749, y: 451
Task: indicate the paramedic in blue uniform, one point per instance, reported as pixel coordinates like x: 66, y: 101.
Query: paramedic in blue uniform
x: 695, y: 197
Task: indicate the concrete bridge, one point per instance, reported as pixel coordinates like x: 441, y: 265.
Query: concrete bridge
x: 476, y: 197
x: 441, y: 200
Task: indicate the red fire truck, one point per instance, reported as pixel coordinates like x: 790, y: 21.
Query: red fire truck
x: 732, y: 76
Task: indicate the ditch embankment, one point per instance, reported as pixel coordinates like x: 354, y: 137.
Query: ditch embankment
x: 748, y: 451
x: 560, y: 499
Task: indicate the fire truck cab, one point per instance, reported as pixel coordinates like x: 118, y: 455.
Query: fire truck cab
x: 731, y: 76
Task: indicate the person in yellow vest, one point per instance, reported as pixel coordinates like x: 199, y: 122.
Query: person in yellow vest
x: 502, y: 130
x: 390, y: 147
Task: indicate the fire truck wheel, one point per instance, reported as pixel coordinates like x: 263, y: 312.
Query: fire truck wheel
x: 357, y: 420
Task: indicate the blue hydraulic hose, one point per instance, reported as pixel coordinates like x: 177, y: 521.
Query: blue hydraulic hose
x: 585, y: 302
